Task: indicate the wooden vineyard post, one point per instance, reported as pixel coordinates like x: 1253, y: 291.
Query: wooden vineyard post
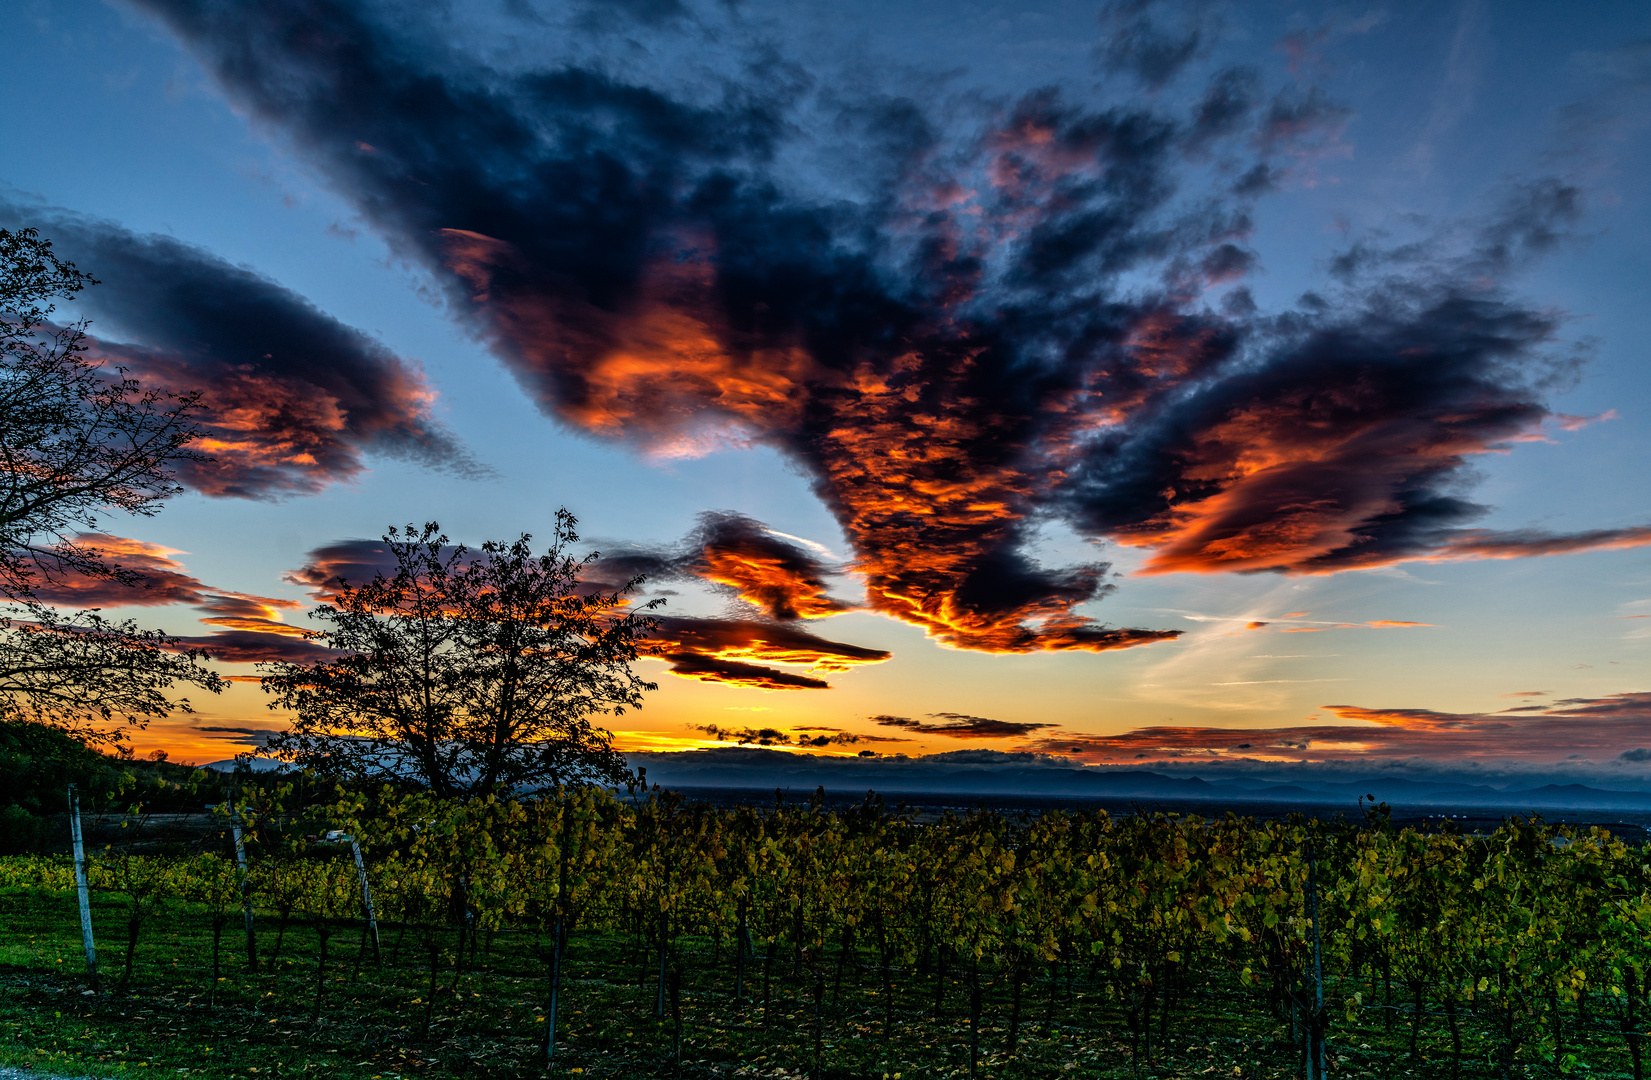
x: 246, y: 885
x: 82, y: 887
x: 366, y: 900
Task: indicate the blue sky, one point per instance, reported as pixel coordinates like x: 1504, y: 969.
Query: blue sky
x: 1420, y: 126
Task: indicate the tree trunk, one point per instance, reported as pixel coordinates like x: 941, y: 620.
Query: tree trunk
x: 218, y: 921
x: 659, y: 996
x: 739, y: 953
x: 939, y: 978
x: 324, y: 932
x: 1014, y: 1007
x: 434, y: 948
x: 1635, y: 985
x: 280, y: 935
x: 974, y: 1019
x: 134, y: 925
x: 1387, y: 992
x: 888, y: 982
x: 1455, y: 1038
x: 819, y: 1021
x: 767, y: 982
x: 676, y: 1014
x: 843, y: 948
x: 1415, y: 1015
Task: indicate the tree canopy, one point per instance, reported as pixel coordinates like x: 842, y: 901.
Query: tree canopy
x: 466, y: 671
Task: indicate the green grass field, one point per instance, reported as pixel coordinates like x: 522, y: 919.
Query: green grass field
x: 487, y: 1018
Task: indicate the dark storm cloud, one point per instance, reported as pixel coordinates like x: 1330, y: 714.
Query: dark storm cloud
x: 293, y: 399
x: 957, y: 338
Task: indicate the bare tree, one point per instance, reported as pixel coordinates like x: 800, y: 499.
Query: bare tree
x: 468, y: 671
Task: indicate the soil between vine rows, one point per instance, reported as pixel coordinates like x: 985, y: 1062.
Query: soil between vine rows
x: 489, y: 1021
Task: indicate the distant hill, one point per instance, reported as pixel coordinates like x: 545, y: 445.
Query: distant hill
x: 758, y: 769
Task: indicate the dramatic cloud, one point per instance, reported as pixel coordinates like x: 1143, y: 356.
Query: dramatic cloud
x: 959, y: 726
x: 1005, y: 312
x: 1599, y: 729
x: 293, y: 398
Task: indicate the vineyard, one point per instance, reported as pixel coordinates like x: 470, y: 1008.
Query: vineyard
x: 610, y: 937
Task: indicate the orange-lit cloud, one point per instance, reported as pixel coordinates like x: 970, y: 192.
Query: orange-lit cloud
x: 1524, y: 544
x: 767, y: 571
x: 243, y: 611
x: 151, y: 578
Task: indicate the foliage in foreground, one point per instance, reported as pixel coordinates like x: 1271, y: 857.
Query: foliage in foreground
x: 705, y: 940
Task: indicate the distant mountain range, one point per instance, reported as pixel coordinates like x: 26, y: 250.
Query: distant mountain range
x: 764, y: 770
x: 926, y: 777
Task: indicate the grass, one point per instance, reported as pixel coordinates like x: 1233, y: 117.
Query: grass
x: 487, y: 1020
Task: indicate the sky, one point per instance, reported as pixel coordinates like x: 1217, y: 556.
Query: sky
x: 1197, y: 387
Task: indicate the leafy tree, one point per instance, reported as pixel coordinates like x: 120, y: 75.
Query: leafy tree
x: 77, y: 438
x: 464, y: 672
